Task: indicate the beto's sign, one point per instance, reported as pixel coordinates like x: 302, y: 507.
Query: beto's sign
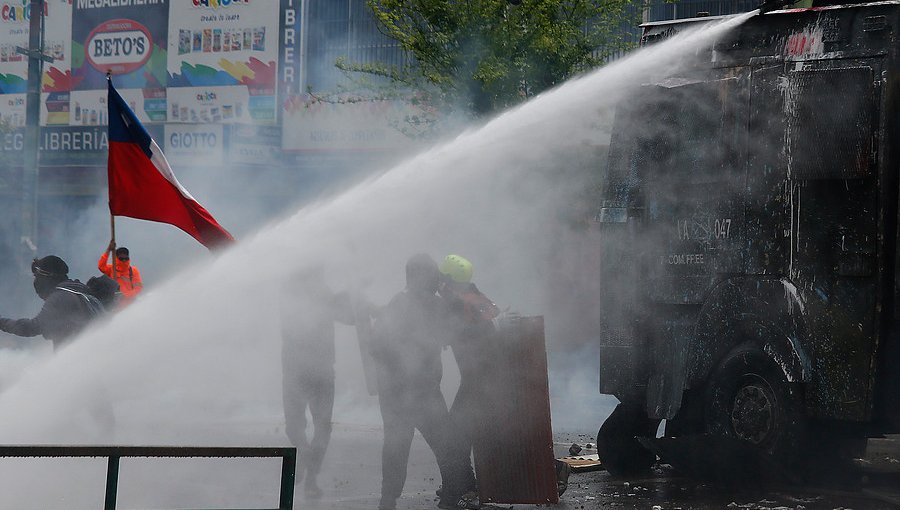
x: 119, y: 45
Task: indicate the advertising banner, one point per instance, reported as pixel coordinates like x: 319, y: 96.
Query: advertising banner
x: 12, y: 142
x: 218, y: 144
x: 194, y: 144
x: 222, y: 61
x: 128, y: 39
x: 54, y: 109
x: 367, y: 125
x: 64, y: 145
x: 12, y: 110
x: 15, y: 16
x: 74, y: 145
x: 89, y: 107
x: 254, y: 145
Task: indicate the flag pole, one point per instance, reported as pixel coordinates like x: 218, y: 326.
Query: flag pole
x: 112, y: 218
x: 112, y: 244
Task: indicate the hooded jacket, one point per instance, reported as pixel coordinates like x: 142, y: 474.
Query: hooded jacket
x: 409, y: 335
x: 127, y: 276
x: 65, y: 313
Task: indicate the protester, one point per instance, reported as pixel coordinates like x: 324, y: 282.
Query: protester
x: 309, y: 309
x: 127, y: 274
x: 472, y: 340
x: 105, y: 289
x: 409, y: 335
x: 472, y: 314
x: 68, y: 304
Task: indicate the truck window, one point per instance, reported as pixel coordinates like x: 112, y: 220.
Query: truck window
x: 830, y: 132
x: 676, y: 132
x: 688, y: 133
x: 691, y: 138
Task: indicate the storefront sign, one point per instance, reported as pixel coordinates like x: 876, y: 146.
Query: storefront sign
x: 194, y: 145
x: 289, y: 79
x: 126, y: 38
x: 366, y: 125
x: 254, y: 145
x: 56, y: 79
x: 63, y: 145
x: 222, y: 61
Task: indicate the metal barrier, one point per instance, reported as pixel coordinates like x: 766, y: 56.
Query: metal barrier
x: 114, y: 453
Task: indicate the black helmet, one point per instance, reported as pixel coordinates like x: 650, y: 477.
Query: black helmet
x: 422, y: 274
x: 50, y: 266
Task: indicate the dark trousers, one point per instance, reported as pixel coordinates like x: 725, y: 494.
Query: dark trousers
x: 465, y: 422
x: 466, y: 415
x: 426, y: 410
x: 313, y: 389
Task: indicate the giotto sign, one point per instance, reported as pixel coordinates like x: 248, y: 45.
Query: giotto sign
x: 119, y: 45
x: 194, y: 144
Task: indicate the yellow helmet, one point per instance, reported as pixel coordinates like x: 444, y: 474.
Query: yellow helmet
x: 457, y: 268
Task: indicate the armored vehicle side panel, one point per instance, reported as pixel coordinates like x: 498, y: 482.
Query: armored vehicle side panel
x: 749, y: 216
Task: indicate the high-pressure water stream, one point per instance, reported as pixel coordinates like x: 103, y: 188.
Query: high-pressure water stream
x: 198, y: 358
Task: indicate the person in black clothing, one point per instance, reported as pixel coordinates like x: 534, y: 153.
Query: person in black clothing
x: 68, y: 304
x: 309, y: 309
x: 409, y: 335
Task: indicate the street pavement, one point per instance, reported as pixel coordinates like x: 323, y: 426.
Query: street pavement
x: 352, y: 480
x: 352, y: 476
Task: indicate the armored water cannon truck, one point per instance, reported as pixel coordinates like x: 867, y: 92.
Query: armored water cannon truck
x: 749, y: 217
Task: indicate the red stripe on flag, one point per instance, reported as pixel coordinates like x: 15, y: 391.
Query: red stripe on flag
x: 138, y: 190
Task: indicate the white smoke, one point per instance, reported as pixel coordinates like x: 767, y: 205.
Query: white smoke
x: 197, y: 361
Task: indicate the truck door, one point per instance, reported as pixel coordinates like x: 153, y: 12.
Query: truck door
x: 693, y: 220
x: 675, y: 177
x: 831, y: 111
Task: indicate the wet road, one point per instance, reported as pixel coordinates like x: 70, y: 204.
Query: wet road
x: 352, y: 482
x: 664, y: 488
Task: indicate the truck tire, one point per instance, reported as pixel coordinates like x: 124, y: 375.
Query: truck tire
x: 619, y: 451
x: 749, y: 398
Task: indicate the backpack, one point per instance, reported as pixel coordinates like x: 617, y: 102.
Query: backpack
x: 105, y: 289
x: 93, y: 305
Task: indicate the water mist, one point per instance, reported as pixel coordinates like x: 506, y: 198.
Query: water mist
x: 196, y: 362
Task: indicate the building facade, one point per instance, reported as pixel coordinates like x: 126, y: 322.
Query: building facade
x: 215, y: 82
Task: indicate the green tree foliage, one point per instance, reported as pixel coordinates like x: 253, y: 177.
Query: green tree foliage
x: 485, y: 55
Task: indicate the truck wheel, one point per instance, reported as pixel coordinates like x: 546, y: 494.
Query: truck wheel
x: 620, y: 453
x: 749, y: 398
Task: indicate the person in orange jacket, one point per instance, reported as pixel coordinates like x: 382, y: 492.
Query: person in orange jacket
x: 127, y: 275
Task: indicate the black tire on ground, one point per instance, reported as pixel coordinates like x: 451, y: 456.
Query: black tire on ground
x: 749, y: 398
x: 620, y: 453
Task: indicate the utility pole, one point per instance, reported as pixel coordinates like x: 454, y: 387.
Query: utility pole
x: 30, y: 170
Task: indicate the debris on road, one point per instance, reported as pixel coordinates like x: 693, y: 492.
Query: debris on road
x: 583, y: 463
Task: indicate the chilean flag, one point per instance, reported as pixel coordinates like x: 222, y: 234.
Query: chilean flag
x: 142, y: 184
